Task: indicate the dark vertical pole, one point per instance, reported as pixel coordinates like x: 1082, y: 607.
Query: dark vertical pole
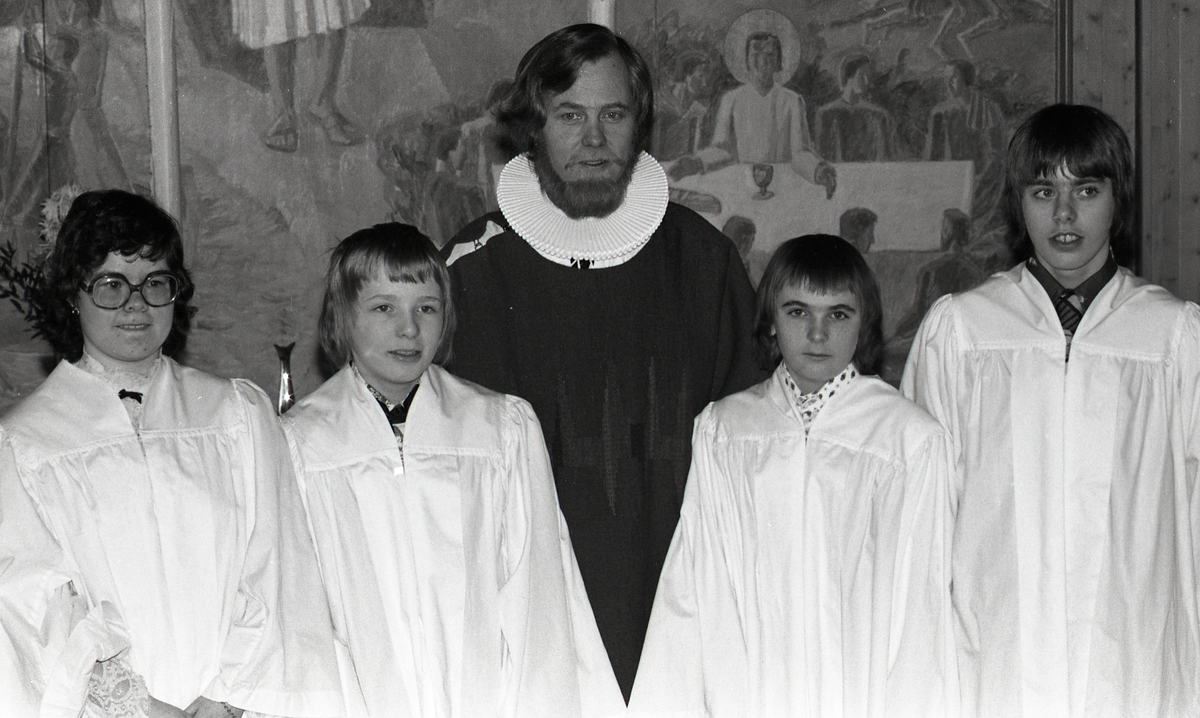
x: 1064, y: 74
x: 654, y: 45
x: 1141, y: 133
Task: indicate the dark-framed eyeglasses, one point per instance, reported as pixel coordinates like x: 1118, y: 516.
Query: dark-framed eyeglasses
x: 112, y: 291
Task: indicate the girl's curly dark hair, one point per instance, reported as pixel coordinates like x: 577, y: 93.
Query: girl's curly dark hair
x: 100, y: 223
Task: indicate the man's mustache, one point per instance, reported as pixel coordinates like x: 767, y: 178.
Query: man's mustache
x: 613, y: 158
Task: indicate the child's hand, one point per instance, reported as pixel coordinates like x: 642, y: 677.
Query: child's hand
x: 205, y: 708
x: 158, y: 709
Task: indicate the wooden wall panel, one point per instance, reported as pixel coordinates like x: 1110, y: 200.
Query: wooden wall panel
x: 1104, y: 68
x: 1170, y: 117
x: 1105, y: 58
x: 1139, y: 60
x: 1188, y: 221
x: 1159, y: 112
x: 1120, y: 63
x: 1087, y: 38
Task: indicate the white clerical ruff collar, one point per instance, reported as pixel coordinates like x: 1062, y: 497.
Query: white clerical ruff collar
x: 593, y: 242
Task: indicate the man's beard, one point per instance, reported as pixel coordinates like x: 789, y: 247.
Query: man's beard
x: 586, y: 197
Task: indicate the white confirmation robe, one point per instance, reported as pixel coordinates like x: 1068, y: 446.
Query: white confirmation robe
x: 1075, y: 547
x: 807, y: 577
x: 448, y: 567
x: 187, y: 543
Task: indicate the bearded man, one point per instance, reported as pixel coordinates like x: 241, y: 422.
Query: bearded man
x: 615, y: 313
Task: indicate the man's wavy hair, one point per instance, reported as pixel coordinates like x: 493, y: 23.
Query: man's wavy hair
x: 1087, y: 142
x: 403, y: 254
x: 551, y: 67
x: 100, y: 223
x: 823, y: 263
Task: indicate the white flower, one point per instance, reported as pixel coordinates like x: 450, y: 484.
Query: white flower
x: 54, y: 210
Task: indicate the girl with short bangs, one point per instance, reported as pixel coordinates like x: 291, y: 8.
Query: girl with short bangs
x: 446, y: 561
x: 807, y: 576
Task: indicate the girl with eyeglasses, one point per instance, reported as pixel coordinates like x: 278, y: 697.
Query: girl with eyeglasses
x: 154, y: 556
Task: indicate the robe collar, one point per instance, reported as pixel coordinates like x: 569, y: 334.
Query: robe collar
x: 1086, y: 290
x: 1038, y: 313
x: 341, y: 420
x: 397, y: 414
x: 72, y: 407
x: 129, y: 386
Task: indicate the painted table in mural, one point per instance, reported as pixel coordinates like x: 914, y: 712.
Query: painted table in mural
x: 908, y: 200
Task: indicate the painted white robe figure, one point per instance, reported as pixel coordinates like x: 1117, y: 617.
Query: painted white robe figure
x: 262, y: 23
x: 448, y: 565
x: 807, y: 576
x: 186, y: 542
x: 1075, y: 549
x: 772, y: 128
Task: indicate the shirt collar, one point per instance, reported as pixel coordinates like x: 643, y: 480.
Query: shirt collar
x: 809, y: 405
x: 1087, y: 289
x: 134, y: 384
x: 397, y: 414
x: 594, y: 242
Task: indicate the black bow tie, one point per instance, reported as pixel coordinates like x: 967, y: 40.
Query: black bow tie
x: 126, y: 394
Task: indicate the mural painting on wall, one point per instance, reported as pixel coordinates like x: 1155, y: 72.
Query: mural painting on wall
x: 59, y: 63
x: 299, y: 123
x: 883, y: 122
x: 58, y: 134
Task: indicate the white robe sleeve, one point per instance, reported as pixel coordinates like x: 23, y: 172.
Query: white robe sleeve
x: 670, y: 677
x: 355, y: 706
x: 279, y: 655
x: 922, y: 677
x: 553, y: 660
x: 52, y: 637
x: 1189, y: 396
x: 805, y: 160
x: 1189, y: 360
x: 687, y: 650
x: 30, y: 575
x: 721, y: 150
x: 930, y: 377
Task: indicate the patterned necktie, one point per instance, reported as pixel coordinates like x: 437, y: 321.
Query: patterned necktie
x: 1068, y: 314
